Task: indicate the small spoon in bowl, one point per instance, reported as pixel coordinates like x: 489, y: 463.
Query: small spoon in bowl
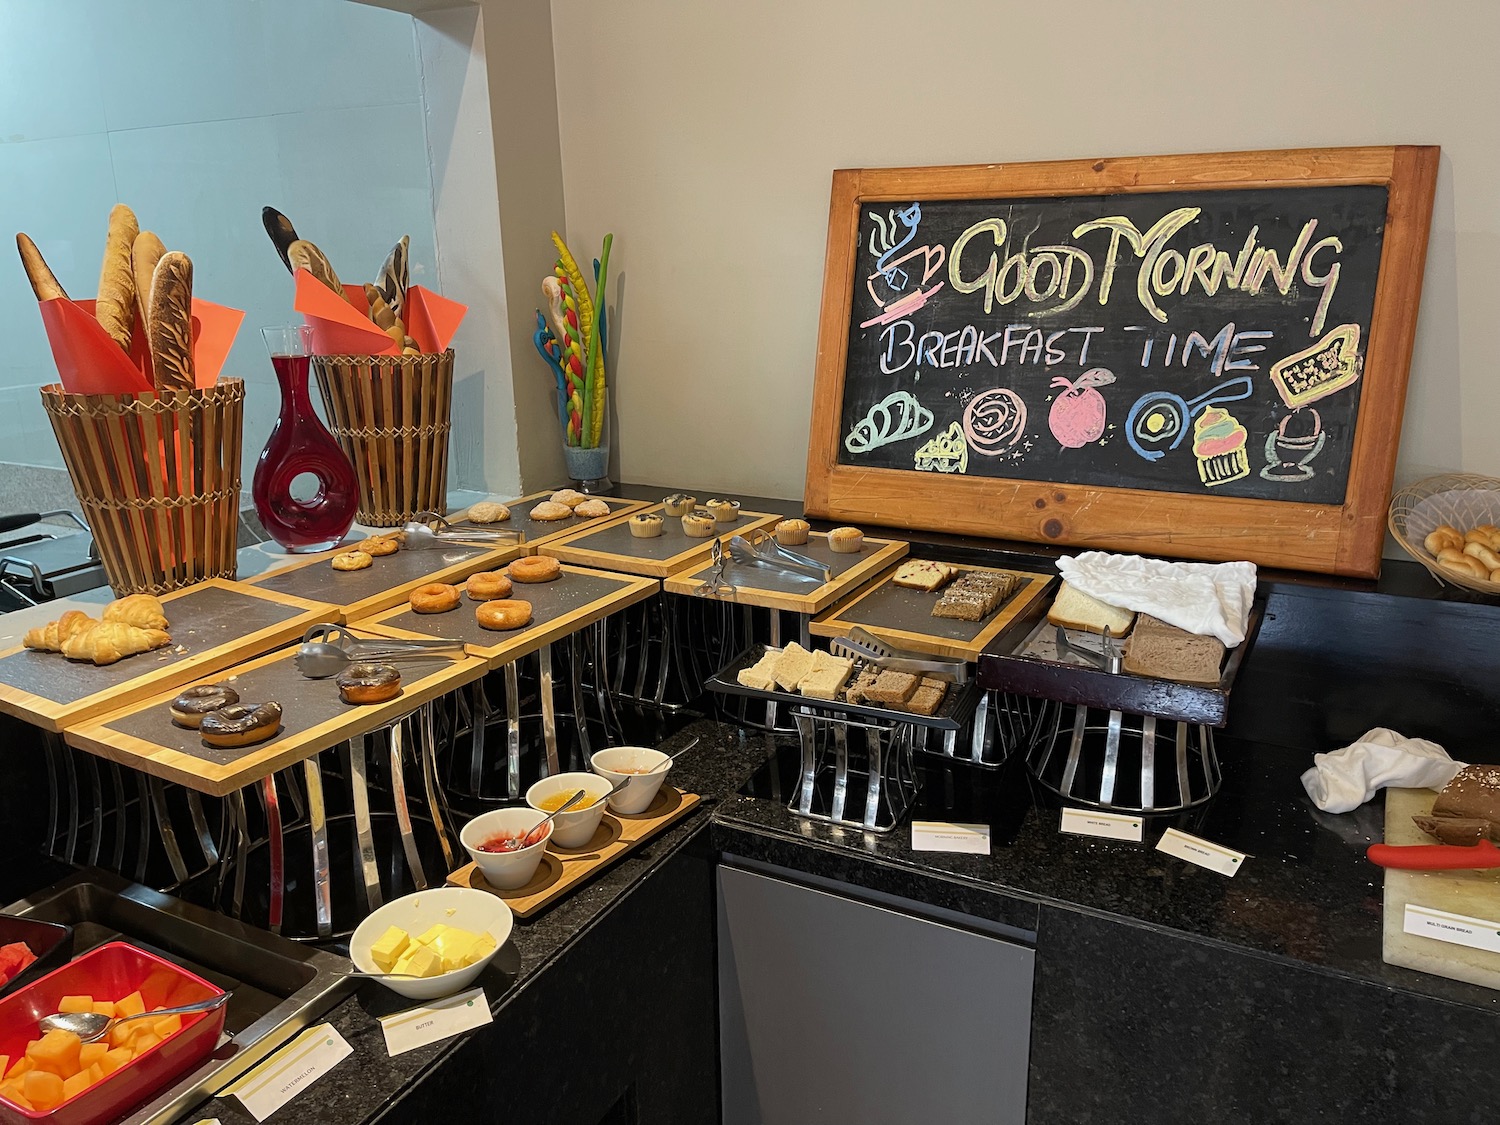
x: 529, y: 837
x: 90, y: 1026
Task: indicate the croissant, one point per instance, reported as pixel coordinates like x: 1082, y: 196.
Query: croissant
x: 51, y: 636
x: 141, y: 610
x: 109, y: 641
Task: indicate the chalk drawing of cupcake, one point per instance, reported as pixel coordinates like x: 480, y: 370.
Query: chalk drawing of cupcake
x: 1219, y: 445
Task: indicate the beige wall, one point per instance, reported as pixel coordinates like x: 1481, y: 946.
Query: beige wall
x: 704, y: 135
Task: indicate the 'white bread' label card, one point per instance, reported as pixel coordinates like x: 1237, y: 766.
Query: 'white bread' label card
x: 288, y: 1072
x: 1215, y: 857
x: 417, y: 1027
x: 1108, y: 825
x: 937, y: 836
x: 1456, y: 929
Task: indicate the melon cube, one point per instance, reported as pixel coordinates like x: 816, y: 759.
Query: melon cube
x: 115, y: 1059
x: 76, y: 1085
x: 19, y: 1067
x: 132, y: 1005
x: 43, y: 1089
x: 55, y: 1052
x: 76, y: 1004
x: 121, y: 1034
x: 95, y: 1073
x: 166, y: 1026
x: 144, y: 1043
x: 90, y: 1053
x: 13, y: 1092
x: 104, y: 1008
x: 4, y: 1063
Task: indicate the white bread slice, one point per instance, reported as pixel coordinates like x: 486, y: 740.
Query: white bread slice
x: 829, y: 673
x: 792, y: 666
x: 1074, y: 610
x: 760, y: 676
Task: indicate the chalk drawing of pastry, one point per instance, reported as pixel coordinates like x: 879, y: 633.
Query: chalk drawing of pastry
x: 1219, y: 445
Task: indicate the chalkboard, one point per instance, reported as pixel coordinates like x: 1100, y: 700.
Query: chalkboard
x: 1173, y: 354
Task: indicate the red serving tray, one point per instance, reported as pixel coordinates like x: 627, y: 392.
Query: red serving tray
x: 110, y: 972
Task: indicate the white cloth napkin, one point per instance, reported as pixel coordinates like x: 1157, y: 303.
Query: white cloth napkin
x: 1345, y: 779
x: 1209, y: 598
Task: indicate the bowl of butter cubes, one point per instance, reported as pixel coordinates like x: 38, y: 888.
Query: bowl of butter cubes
x: 436, y: 942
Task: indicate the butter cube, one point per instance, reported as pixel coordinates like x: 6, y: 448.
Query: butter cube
x: 389, y: 947
x: 431, y: 935
x: 420, y: 962
x: 483, y: 946
x: 457, y: 948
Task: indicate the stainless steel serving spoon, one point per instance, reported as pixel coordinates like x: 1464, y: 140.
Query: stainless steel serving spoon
x: 90, y: 1026
x: 422, y: 536
x: 516, y: 843
x: 317, y: 660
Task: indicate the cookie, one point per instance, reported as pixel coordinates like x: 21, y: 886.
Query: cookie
x: 351, y: 560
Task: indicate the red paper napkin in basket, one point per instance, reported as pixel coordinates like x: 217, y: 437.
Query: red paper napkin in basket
x: 89, y: 362
x: 345, y: 328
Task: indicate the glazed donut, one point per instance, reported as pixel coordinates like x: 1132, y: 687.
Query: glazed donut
x: 378, y: 546
x: 679, y: 504
x: 487, y: 585
x: 592, y: 509
x: 368, y: 683
x: 502, y: 614
x: 535, y: 568
x: 240, y: 724
x: 189, y: 708
x: 351, y: 560
x: 434, y: 597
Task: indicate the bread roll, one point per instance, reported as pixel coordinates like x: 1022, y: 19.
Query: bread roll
x: 1481, y: 551
x: 43, y: 283
x: 380, y: 312
x: 144, y: 254
x: 170, y: 328
x: 1465, y: 565
x: 1443, y: 536
x: 305, y: 256
x: 115, y: 306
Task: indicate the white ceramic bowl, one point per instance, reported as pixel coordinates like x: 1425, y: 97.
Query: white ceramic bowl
x: 506, y: 870
x: 574, y: 828
x: 475, y: 911
x: 641, y: 791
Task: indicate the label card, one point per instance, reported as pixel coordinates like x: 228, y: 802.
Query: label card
x: 1215, y: 857
x: 1456, y: 929
x: 937, y: 836
x: 416, y: 1027
x: 1110, y: 826
x: 288, y: 1072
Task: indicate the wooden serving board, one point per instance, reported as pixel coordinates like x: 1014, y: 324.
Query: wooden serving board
x: 543, y: 531
x: 213, y: 624
x: 903, y: 617
x: 387, y: 581
x: 755, y: 585
x: 612, y: 547
x: 577, y: 599
x: 314, y: 718
x: 1473, y: 894
x: 563, y: 870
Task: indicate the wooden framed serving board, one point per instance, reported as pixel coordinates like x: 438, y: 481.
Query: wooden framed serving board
x: 314, y: 718
x: 387, y: 581
x: 612, y: 547
x: 755, y: 585
x: 903, y: 617
x: 1196, y: 356
x: 213, y: 624
x: 1470, y: 894
x: 563, y: 870
x: 573, y: 601
x: 543, y: 531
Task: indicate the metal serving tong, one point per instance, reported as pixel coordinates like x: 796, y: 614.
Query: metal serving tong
x: 861, y: 644
x: 429, y: 531
x: 326, y: 650
x: 761, y: 549
x: 714, y: 585
x: 1109, y: 657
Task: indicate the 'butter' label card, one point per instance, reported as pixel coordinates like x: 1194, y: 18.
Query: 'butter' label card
x: 1456, y: 929
x: 417, y: 1027
x: 1215, y: 857
x: 1110, y: 826
x: 288, y: 1072
x: 936, y: 836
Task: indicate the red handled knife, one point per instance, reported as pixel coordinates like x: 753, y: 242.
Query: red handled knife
x: 1436, y: 857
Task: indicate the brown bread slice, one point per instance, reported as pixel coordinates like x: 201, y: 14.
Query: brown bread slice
x: 1166, y: 652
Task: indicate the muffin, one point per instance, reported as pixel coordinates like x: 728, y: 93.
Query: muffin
x: 791, y: 533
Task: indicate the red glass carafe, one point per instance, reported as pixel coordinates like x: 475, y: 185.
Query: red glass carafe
x: 301, y: 445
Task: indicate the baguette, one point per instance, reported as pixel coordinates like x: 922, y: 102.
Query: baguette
x: 303, y: 255
x: 115, y: 306
x: 170, y: 329
x: 145, y: 252
x: 282, y: 233
x: 394, y: 276
x: 43, y: 283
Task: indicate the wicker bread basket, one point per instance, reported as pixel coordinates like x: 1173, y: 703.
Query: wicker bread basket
x: 1460, y: 500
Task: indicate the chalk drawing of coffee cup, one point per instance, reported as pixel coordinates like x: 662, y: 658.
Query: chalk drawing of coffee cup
x: 1289, y: 455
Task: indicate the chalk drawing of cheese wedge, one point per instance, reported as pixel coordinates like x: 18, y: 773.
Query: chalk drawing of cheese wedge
x: 945, y: 453
x: 1329, y: 365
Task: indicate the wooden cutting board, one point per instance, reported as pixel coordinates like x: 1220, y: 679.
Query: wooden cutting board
x: 1473, y: 894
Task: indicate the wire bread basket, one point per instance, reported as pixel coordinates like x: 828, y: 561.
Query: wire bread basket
x: 1462, y: 501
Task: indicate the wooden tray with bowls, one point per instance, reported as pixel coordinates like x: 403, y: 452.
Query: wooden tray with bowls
x: 387, y: 581
x: 563, y: 870
x: 544, y: 531
x: 903, y: 618
x: 612, y: 547
x: 577, y: 599
x: 772, y: 589
x: 213, y: 624
x: 143, y: 736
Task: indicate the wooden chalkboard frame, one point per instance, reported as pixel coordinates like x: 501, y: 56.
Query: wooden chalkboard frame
x: 1339, y: 539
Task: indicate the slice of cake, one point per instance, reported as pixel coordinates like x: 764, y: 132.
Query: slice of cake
x: 761, y: 675
x: 792, y: 666
x: 1166, y: 652
x: 1073, y: 609
x: 829, y: 674
x: 921, y: 574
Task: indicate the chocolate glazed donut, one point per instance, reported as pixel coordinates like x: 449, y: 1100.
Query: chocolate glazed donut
x: 189, y: 708
x: 241, y: 724
x: 368, y: 683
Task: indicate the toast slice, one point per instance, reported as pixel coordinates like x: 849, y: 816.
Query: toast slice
x: 829, y: 674
x: 1073, y: 609
x: 792, y: 666
x: 761, y: 676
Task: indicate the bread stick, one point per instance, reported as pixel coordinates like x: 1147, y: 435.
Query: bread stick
x: 145, y: 252
x: 170, y: 329
x: 115, y: 306
x: 43, y: 283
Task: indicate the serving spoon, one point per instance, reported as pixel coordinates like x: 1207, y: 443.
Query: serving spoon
x: 90, y: 1026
